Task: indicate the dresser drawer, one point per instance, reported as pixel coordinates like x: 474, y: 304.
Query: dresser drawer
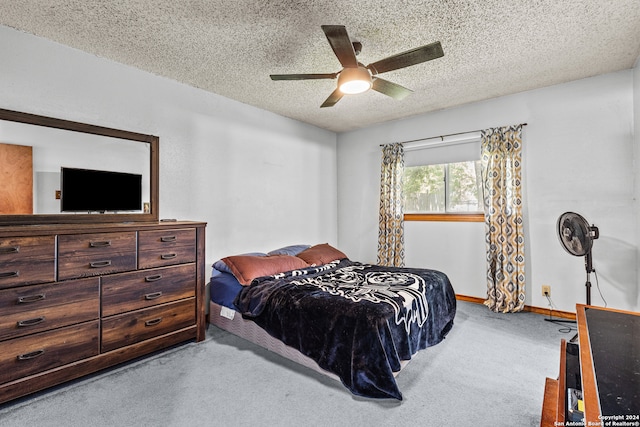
x: 166, y: 247
x: 36, y: 353
x: 83, y: 255
x: 29, y: 309
x: 131, y: 291
x: 125, y: 329
x: 27, y: 260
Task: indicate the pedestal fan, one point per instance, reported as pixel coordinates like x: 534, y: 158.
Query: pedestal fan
x: 576, y: 237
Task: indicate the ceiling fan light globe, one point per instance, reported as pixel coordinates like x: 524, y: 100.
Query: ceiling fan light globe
x: 355, y: 86
x: 352, y: 81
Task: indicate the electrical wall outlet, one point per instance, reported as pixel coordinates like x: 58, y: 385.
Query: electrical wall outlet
x: 546, y: 290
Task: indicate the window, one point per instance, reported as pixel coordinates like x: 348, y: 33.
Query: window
x: 450, y: 188
x: 443, y: 179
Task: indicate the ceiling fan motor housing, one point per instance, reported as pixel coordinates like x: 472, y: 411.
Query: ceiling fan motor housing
x: 357, y: 47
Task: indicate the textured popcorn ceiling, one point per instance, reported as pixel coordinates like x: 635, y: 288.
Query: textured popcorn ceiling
x: 229, y: 47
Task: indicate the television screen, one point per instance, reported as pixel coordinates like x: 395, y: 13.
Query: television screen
x: 86, y: 190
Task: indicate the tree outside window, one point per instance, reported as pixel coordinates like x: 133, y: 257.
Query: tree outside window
x: 444, y: 188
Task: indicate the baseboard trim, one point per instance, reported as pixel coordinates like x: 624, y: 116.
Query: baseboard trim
x: 537, y: 310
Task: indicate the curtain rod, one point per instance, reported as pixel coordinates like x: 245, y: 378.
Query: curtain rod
x: 443, y: 136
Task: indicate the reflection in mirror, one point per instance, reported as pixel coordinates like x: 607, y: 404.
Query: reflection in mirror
x: 34, y: 149
x: 35, y: 155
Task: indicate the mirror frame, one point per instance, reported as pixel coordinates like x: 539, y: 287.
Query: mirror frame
x: 36, y: 120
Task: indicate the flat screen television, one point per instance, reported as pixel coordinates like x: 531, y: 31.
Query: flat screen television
x: 87, y: 190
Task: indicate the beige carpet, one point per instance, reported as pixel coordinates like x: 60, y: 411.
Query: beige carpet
x: 489, y: 371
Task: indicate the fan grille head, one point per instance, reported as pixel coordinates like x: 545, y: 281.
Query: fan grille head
x: 574, y: 234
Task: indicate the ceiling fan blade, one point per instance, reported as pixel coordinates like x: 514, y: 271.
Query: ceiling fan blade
x: 303, y: 76
x: 391, y: 89
x: 341, y: 45
x: 335, y: 96
x: 408, y: 58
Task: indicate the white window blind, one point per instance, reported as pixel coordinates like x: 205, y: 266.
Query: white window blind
x: 448, y: 149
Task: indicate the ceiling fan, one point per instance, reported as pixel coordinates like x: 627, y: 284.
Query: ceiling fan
x: 355, y: 77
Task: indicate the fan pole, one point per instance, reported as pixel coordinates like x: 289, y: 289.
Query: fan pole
x: 589, y: 267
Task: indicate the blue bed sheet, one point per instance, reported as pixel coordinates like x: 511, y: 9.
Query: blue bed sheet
x: 223, y: 288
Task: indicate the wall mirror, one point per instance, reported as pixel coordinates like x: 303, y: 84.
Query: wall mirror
x: 34, y: 150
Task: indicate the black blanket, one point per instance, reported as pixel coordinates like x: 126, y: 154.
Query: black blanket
x: 355, y: 320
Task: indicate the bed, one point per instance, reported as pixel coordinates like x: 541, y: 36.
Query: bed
x: 359, y: 323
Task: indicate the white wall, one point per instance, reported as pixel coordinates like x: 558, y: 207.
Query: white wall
x: 578, y: 156
x: 260, y: 180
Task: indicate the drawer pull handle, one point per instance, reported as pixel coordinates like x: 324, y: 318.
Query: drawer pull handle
x: 9, y: 274
x: 30, y: 322
x: 166, y: 239
x: 153, y: 322
x: 153, y: 278
x: 31, y: 355
x: 100, y: 264
x: 10, y: 250
x: 31, y: 298
x: 100, y: 244
x: 168, y: 256
x: 153, y: 295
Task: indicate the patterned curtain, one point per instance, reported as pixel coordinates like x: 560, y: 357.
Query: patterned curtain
x: 391, y: 222
x: 501, y: 174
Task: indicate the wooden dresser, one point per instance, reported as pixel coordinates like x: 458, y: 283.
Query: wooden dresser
x: 604, y: 365
x: 77, y: 298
